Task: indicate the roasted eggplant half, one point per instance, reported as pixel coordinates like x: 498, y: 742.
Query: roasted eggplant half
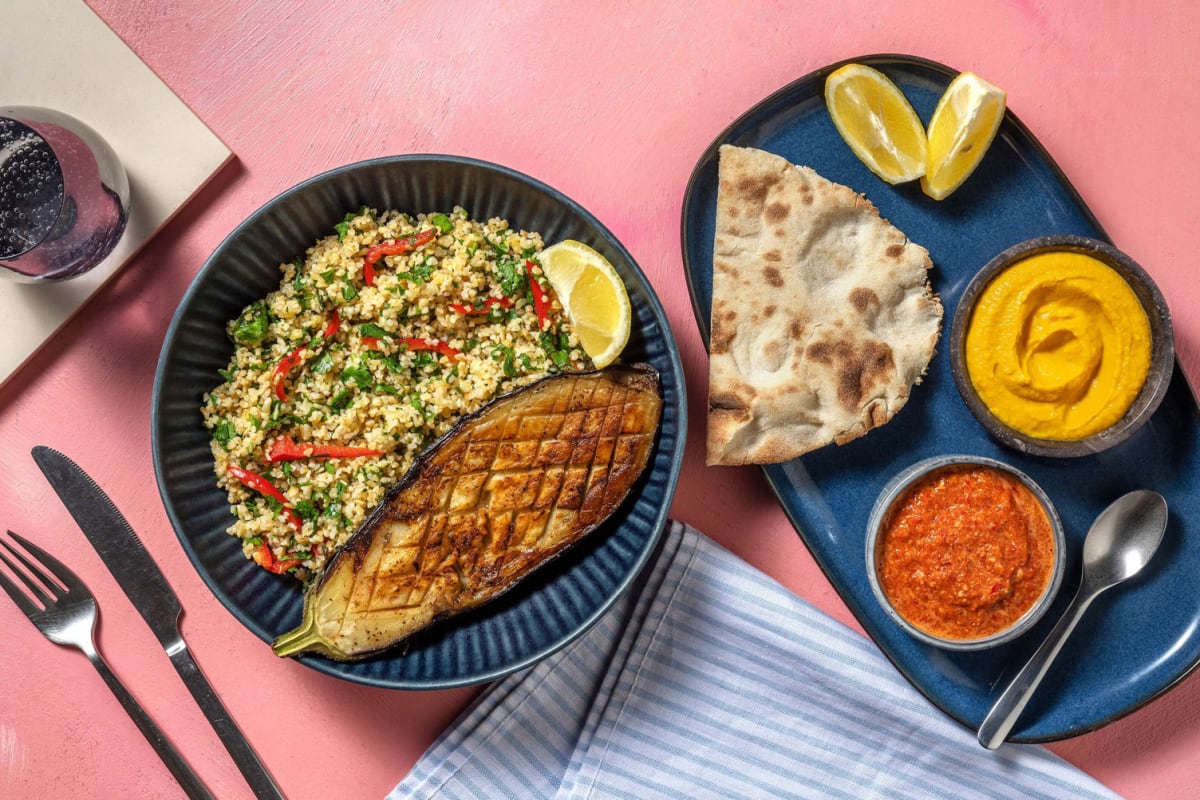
x: 508, y: 489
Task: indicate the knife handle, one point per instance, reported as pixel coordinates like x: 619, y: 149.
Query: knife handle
x: 247, y: 760
x: 189, y: 780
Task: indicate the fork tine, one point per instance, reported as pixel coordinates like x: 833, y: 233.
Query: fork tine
x: 47, y: 592
x: 67, y: 578
x: 20, y: 598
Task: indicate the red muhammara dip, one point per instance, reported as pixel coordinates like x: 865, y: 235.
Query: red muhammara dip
x: 965, y: 552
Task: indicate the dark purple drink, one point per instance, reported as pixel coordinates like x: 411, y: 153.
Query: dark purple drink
x: 64, y: 197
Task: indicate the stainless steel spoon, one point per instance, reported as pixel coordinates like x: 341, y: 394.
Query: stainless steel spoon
x: 1120, y: 542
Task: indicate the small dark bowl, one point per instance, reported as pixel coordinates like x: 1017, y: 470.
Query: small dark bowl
x: 1162, y: 357
x: 881, y: 513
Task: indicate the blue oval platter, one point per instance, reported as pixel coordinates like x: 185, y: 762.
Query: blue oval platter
x: 546, y: 610
x: 1138, y: 640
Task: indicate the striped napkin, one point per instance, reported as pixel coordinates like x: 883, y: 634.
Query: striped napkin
x: 711, y: 680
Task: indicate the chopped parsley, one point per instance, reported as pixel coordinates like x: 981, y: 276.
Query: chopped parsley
x: 420, y: 271
x: 442, y: 223
x: 342, y: 400
x: 507, y: 357
x: 305, y: 509
x: 360, y: 376
x: 323, y: 364
x: 251, y: 327
x: 224, y: 433
x: 510, y: 275
x: 343, y: 227
x: 372, y: 331
x: 557, y: 347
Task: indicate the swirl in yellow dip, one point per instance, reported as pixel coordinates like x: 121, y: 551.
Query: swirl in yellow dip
x: 1058, y: 346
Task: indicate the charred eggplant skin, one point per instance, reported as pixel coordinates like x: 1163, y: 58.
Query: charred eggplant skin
x: 506, y: 491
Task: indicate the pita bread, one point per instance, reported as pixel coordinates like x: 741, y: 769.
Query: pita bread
x: 822, y: 314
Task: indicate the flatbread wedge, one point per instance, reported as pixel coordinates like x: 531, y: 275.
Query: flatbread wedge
x: 822, y: 316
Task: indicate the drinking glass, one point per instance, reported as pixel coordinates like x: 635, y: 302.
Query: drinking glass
x: 64, y: 196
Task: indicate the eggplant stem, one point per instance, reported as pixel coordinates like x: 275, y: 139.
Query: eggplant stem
x: 305, y: 637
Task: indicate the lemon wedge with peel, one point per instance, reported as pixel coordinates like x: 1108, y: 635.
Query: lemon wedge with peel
x: 961, y: 130
x: 877, y: 121
x: 593, y: 296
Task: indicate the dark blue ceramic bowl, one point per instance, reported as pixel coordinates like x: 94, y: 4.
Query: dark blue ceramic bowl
x: 546, y: 611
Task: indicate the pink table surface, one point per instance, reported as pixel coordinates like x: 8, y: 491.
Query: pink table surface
x: 612, y: 103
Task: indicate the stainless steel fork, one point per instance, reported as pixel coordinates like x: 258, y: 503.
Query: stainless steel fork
x: 64, y: 610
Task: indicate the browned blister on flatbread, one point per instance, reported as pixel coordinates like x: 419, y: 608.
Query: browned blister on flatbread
x: 822, y: 316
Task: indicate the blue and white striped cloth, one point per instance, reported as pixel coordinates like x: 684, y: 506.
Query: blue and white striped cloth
x: 711, y: 680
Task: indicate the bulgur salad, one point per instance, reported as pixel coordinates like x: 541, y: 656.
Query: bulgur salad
x: 377, y: 341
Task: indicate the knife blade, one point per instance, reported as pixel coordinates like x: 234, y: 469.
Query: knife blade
x: 144, y: 584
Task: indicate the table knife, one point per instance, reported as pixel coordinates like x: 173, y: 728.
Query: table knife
x: 129, y: 562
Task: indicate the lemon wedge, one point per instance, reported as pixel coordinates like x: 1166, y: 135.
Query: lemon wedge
x: 593, y: 296
x: 961, y: 130
x: 877, y: 121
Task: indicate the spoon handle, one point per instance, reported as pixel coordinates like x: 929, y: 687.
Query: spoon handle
x: 1007, y: 709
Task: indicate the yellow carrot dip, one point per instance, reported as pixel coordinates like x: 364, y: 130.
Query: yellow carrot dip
x: 965, y: 551
x: 1058, y: 346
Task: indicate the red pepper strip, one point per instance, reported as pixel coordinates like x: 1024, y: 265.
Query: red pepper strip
x: 266, y: 559
x: 263, y: 486
x: 503, y: 302
x: 296, y: 357
x: 400, y: 247
x: 286, y: 365
x: 435, y: 346
x: 331, y: 329
x: 541, y: 305
x: 285, y: 448
x: 372, y: 342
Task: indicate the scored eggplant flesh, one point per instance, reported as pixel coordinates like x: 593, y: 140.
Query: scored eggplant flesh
x: 506, y: 490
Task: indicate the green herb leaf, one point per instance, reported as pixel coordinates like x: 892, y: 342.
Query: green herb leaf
x: 224, y: 433
x: 507, y: 357
x: 423, y: 270
x: 323, y: 364
x: 510, y: 276
x: 343, y: 227
x: 305, y: 509
x: 557, y: 348
x: 442, y: 223
x: 360, y: 376
x: 373, y: 331
x: 251, y: 327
